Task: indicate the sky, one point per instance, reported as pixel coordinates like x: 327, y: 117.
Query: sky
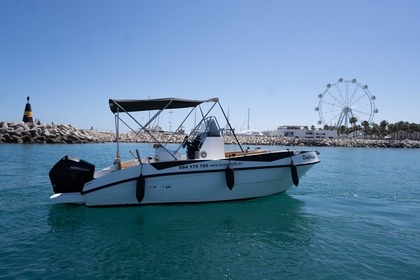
x: 272, y: 57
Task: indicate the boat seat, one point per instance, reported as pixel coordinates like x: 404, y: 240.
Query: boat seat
x: 195, y: 145
x: 129, y: 163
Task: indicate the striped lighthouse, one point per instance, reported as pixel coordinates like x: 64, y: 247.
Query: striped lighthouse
x: 27, y: 115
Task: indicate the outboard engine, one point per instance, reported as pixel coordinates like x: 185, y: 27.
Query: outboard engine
x: 70, y: 174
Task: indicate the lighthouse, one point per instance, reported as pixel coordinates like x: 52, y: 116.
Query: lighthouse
x: 27, y: 114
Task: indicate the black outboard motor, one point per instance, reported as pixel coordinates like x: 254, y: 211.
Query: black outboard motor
x: 70, y: 174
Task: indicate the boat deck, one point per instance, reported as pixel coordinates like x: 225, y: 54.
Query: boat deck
x: 244, y: 153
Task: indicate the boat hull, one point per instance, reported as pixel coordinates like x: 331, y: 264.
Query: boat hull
x: 196, y: 181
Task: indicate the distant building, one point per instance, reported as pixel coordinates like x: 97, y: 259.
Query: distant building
x: 296, y: 131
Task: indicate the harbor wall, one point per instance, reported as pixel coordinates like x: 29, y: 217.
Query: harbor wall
x: 30, y: 133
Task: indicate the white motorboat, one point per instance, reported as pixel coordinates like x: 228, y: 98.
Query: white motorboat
x: 200, y: 170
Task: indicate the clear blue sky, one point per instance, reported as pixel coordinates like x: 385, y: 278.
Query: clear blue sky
x: 271, y: 56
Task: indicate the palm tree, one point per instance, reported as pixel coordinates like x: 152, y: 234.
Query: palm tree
x: 411, y: 129
x: 353, y: 121
x: 376, y: 130
x: 392, y: 129
x: 383, y: 128
x: 366, y: 128
x: 342, y: 130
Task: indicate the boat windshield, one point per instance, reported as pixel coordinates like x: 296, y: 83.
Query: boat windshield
x: 210, y: 127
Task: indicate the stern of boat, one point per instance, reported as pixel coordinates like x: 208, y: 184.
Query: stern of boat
x: 68, y: 177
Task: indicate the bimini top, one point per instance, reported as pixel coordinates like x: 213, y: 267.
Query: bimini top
x: 131, y: 105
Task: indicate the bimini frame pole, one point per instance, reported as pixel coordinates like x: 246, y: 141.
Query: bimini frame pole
x: 142, y: 127
x: 117, y: 138
x: 227, y: 120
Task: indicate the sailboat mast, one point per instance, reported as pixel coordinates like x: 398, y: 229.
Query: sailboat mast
x: 227, y: 126
x: 149, y: 110
x: 248, y: 118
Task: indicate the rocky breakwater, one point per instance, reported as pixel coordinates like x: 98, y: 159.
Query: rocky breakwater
x: 347, y: 142
x: 281, y: 141
x: 32, y: 133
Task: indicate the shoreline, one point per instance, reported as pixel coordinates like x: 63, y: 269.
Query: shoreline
x: 29, y: 133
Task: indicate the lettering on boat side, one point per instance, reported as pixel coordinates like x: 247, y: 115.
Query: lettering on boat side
x: 164, y: 186
x: 207, y: 165
x: 308, y: 157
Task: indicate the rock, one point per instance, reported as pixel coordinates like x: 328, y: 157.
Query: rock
x: 3, y: 125
x: 17, y: 139
x: 41, y: 138
x: 25, y: 138
x: 7, y: 137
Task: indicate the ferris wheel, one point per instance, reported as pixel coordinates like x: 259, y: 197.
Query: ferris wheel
x: 345, y: 102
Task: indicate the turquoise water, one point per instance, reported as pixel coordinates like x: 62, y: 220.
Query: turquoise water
x: 356, y: 215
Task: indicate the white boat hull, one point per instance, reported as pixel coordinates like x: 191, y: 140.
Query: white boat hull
x: 193, y: 181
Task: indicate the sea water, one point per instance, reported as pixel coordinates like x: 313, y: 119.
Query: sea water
x: 356, y: 215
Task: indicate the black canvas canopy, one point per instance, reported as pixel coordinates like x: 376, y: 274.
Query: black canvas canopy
x: 132, y: 105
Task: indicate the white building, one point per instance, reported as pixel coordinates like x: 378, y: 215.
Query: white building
x: 295, y: 131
